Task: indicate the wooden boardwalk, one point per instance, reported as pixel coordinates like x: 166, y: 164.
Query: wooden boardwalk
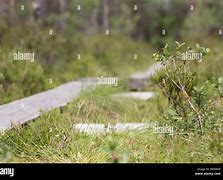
x: 29, y: 108
x: 21, y: 111
x: 138, y: 81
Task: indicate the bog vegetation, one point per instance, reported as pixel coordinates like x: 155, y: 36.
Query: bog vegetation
x: 188, y: 92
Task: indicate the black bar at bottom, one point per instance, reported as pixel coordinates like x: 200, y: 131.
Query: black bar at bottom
x: 111, y: 170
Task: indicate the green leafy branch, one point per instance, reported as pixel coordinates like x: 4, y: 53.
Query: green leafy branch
x: 180, y: 72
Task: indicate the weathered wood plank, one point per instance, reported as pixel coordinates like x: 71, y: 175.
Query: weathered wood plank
x: 137, y: 95
x: 138, y: 81
x: 109, y: 128
x: 100, y: 128
x: 29, y: 108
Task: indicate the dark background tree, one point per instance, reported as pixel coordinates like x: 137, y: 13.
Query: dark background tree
x: 141, y: 20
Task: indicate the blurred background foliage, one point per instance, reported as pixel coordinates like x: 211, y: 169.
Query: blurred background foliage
x: 141, y: 19
x: 79, y: 27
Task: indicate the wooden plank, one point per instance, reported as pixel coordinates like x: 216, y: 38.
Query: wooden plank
x: 99, y: 128
x: 29, y: 108
x: 93, y: 128
x: 138, y: 81
x: 137, y: 95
